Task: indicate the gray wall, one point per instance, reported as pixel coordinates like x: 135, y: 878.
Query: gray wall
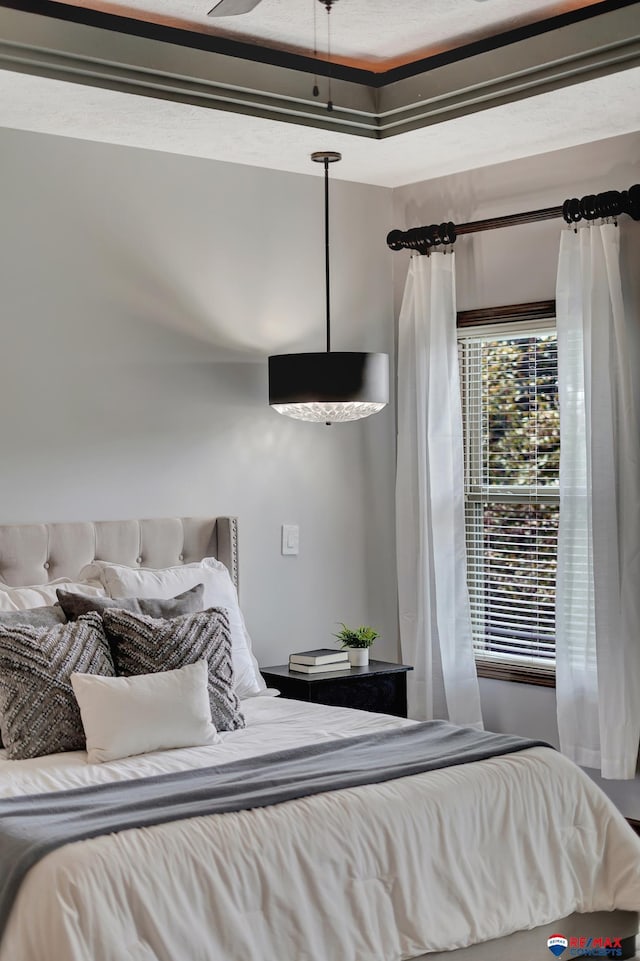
x: 140, y: 296
x: 516, y: 265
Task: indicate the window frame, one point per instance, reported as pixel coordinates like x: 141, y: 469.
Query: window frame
x: 519, y: 319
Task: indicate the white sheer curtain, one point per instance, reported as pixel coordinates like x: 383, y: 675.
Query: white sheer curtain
x: 435, y: 620
x: 598, y: 585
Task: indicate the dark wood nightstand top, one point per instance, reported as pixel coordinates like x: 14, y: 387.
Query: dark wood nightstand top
x: 373, y: 667
x: 380, y: 686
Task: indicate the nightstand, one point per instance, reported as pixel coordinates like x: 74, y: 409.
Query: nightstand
x: 379, y: 687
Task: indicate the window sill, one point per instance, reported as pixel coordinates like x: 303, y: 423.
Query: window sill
x: 539, y: 676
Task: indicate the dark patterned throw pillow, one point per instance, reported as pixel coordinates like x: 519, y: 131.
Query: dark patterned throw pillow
x: 35, y: 617
x: 39, y: 713
x: 148, y: 645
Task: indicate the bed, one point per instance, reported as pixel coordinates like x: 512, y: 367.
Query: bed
x: 480, y: 862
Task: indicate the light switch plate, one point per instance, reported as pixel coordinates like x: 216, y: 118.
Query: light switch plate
x: 290, y: 538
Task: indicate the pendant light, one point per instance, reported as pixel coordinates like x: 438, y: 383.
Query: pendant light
x: 332, y: 386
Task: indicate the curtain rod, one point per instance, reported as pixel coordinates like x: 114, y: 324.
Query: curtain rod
x: 611, y: 203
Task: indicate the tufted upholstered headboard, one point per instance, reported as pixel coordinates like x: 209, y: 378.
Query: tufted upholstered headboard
x: 38, y: 553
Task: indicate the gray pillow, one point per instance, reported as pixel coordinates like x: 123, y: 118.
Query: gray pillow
x: 39, y: 713
x: 189, y: 602
x: 34, y: 617
x: 147, y: 645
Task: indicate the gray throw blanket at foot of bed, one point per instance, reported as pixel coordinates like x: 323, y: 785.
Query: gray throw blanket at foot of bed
x: 33, y: 826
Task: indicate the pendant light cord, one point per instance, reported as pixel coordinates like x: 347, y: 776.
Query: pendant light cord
x: 326, y: 157
x: 329, y: 98
x: 316, y: 88
x: 326, y: 251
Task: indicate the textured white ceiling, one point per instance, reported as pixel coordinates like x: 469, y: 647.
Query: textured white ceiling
x: 376, y: 34
x: 581, y: 113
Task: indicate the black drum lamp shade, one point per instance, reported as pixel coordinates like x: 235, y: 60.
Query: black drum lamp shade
x: 332, y: 386
x: 329, y: 386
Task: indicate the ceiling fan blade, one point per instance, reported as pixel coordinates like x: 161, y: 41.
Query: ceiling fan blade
x: 232, y: 8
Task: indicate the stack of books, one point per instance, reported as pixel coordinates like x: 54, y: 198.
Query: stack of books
x: 321, y: 661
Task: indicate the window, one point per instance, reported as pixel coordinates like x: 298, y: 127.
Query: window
x: 509, y: 379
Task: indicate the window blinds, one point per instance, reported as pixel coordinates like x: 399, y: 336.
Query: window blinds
x: 512, y: 452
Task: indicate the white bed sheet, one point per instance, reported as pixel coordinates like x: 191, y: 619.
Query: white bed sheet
x: 376, y: 873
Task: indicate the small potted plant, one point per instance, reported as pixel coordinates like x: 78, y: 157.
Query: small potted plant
x: 357, y: 641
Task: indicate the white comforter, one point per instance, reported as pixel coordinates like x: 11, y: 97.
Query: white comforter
x: 375, y: 873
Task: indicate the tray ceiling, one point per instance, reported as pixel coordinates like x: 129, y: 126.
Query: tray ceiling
x: 71, y: 69
x: 374, y: 35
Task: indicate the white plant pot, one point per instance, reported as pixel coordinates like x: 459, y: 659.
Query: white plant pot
x: 358, y: 656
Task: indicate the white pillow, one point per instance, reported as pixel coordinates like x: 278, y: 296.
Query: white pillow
x: 44, y: 595
x: 219, y: 591
x: 123, y: 716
